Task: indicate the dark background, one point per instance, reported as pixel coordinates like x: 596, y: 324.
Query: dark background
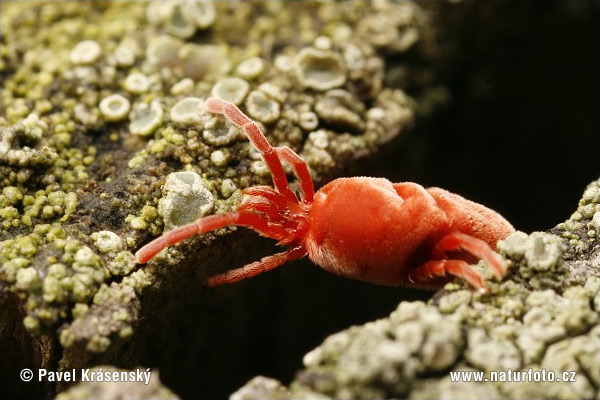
x: 520, y: 134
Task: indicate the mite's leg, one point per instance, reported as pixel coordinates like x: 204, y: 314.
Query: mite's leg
x: 477, y: 247
x: 266, y: 192
x: 249, y: 219
x: 300, y: 170
x: 431, y: 270
x: 258, y: 267
x: 258, y: 139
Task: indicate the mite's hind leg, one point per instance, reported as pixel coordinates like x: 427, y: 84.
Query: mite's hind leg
x: 432, y: 270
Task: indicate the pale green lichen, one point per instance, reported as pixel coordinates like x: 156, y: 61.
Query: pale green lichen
x: 233, y: 90
x: 219, y: 132
x: 163, y: 51
x: 261, y: 387
x: 186, y: 85
x: 219, y: 158
x: 262, y: 108
x: 382, y: 356
x: 251, y: 68
x: 122, y: 264
x: 74, y: 276
x: 86, y: 52
x: 182, y: 18
x: 146, y: 118
x: 188, y: 111
x: 319, y: 70
x: 541, y: 253
x: 24, y: 144
x: 126, y: 52
x: 203, y: 61
x: 108, y: 381
x: 107, y: 241
x: 136, y: 83
x: 115, y: 107
x: 178, y: 21
x: 185, y: 199
x: 309, y: 121
x: 337, y: 107
x: 395, y: 32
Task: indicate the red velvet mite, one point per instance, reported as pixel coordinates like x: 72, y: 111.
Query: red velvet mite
x: 369, y: 229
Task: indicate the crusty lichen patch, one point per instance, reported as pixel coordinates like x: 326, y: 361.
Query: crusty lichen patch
x: 543, y: 316
x: 108, y: 382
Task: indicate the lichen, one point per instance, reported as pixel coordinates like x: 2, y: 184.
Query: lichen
x: 233, y: 90
x: 203, y: 61
x: 86, y: 52
x: 109, y: 382
x: 338, y: 108
x: 24, y: 145
x: 136, y: 83
x: 74, y: 275
x: 93, y: 121
x: 319, y: 70
x: 115, y: 107
x: 251, y: 68
x: 146, y: 119
x: 185, y: 199
x: 188, y: 111
x: 262, y: 108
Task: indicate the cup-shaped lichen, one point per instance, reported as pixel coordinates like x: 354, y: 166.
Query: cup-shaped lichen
x: 233, y: 90
x: 178, y: 22
x: 85, y: 52
x: 262, y: 107
x: 136, y: 83
x: 251, y: 68
x: 114, y: 107
x: 202, y: 61
x: 163, y: 51
x: 219, y: 132
x: 185, y: 199
x: 319, y: 70
x: 146, y: 119
x: 23, y: 144
x: 188, y: 111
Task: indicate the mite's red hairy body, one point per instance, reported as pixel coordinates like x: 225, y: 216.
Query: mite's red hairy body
x: 362, y: 228
x: 410, y: 219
